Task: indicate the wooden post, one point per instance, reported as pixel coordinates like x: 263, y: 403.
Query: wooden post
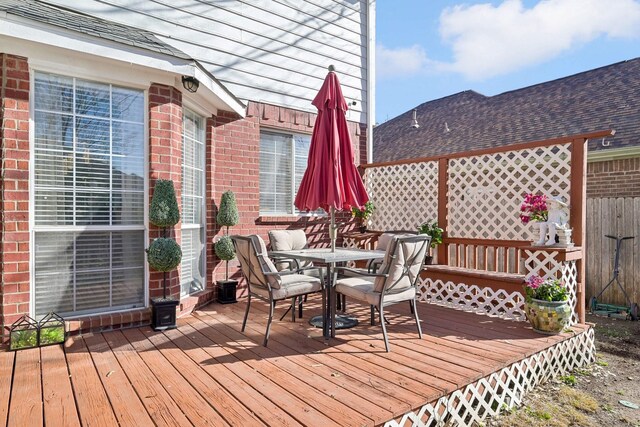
x: 443, y: 184
x: 578, y: 214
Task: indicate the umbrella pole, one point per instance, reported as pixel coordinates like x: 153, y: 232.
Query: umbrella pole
x: 332, y: 229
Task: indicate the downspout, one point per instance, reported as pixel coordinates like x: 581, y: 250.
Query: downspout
x: 371, y: 75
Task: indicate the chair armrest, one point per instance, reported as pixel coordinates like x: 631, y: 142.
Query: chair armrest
x: 360, y: 273
x: 293, y: 263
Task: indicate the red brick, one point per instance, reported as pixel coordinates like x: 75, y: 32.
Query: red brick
x: 16, y: 298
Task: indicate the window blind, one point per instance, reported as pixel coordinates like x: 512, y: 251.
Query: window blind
x: 283, y: 161
x: 89, y: 196
x: 193, y: 190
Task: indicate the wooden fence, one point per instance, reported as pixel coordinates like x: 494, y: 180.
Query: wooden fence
x: 616, y: 217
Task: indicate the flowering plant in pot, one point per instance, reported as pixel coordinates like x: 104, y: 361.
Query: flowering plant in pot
x: 547, y: 304
x: 534, y: 209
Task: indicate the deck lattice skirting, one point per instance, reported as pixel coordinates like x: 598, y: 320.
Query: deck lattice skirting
x: 504, y: 389
x: 499, y: 302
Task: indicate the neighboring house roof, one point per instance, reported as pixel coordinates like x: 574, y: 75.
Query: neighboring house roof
x: 89, y: 25
x: 600, y: 99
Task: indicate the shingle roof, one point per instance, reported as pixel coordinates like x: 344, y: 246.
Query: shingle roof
x: 607, y: 97
x: 71, y: 20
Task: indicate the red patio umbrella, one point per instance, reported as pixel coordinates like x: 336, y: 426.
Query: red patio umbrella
x: 331, y: 180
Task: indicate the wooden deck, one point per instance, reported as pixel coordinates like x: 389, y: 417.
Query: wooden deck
x: 207, y: 372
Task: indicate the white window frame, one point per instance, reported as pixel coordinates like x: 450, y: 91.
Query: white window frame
x: 191, y: 109
x: 33, y: 228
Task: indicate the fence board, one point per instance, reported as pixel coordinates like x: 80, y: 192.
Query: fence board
x: 617, y: 217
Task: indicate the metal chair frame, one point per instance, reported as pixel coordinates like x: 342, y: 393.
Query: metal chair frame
x: 388, y: 288
x: 249, y: 279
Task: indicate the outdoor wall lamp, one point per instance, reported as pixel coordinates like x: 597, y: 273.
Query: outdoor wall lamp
x: 190, y: 83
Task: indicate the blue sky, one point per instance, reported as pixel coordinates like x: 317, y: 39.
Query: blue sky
x: 428, y: 49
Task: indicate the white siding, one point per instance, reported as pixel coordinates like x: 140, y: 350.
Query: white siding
x: 273, y: 51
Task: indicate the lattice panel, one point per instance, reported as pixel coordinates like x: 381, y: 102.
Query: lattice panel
x: 502, y: 390
x: 470, y: 297
x: 404, y: 196
x: 544, y: 264
x: 485, y: 192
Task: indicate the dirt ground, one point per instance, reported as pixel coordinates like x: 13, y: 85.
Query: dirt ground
x: 589, y: 396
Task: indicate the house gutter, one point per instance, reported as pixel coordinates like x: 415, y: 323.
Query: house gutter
x: 612, y: 154
x: 371, y: 75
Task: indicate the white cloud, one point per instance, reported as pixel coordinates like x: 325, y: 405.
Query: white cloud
x: 492, y: 40
x: 399, y: 62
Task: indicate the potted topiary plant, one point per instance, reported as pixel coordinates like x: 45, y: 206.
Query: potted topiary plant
x: 227, y: 217
x: 431, y: 228
x: 164, y: 254
x: 362, y: 215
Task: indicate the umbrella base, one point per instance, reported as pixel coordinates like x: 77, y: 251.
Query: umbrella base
x: 342, y: 321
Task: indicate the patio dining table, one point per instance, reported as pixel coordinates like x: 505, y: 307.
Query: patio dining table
x: 330, y: 259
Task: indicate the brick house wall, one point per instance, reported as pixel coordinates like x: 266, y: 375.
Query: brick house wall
x: 232, y: 163
x: 14, y: 249
x: 614, y: 178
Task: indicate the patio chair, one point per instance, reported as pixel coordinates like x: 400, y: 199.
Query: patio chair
x: 264, y: 281
x: 291, y: 240
x: 394, y: 282
x: 381, y: 245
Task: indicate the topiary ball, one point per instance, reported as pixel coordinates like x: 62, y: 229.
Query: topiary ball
x: 228, y: 212
x: 164, y: 254
x: 164, y: 210
x: 224, y: 249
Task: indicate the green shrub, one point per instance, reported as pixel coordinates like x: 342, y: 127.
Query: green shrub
x: 431, y: 228
x: 164, y: 210
x: 228, y: 215
x: 164, y: 254
x: 224, y: 249
x: 364, y: 213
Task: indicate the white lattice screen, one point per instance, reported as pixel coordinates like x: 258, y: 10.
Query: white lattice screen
x: 485, y: 192
x: 404, y: 195
x: 502, y: 390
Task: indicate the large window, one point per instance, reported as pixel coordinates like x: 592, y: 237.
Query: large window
x: 193, y: 188
x: 89, y: 196
x: 283, y: 160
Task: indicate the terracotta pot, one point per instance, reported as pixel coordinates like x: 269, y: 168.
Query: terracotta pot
x: 548, y: 317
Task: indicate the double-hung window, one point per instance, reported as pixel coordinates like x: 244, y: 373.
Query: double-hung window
x: 283, y: 160
x: 193, y: 204
x: 88, y: 196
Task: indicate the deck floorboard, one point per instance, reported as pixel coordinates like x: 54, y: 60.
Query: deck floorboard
x: 210, y: 372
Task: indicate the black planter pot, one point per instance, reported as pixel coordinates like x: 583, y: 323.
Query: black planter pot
x: 428, y: 259
x: 363, y: 228
x: 163, y: 313
x: 226, y: 291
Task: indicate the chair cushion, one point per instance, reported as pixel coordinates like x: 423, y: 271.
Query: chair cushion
x: 263, y: 263
x: 288, y: 240
x: 363, y: 289
x: 402, y: 273
x: 293, y: 285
